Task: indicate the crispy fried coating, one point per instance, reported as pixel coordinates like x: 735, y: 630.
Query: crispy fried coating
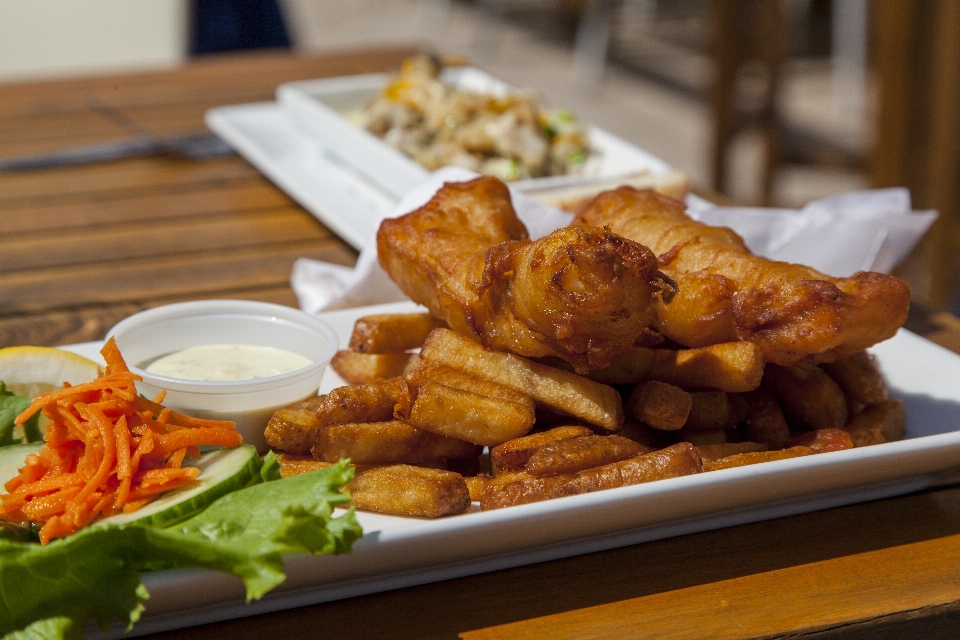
x: 676, y: 460
x: 582, y: 294
x: 794, y: 313
x: 294, y: 428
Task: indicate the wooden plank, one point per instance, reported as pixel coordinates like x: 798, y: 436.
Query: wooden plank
x: 815, y: 596
x: 249, y: 193
x: 137, y: 240
x: 56, y: 328
x: 122, y: 178
x: 250, y: 75
x: 152, y: 278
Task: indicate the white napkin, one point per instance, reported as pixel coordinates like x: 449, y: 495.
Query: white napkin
x: 862, y: 230
x: 857, y: 231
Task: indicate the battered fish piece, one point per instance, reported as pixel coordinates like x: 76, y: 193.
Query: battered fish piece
x: 580, y: 293
x: 796, y: 314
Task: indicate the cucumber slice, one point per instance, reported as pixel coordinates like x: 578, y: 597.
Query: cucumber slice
x: 12, y: 458
x: 222, y: 471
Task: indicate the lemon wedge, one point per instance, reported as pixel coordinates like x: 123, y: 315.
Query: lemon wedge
x: 30, y: 371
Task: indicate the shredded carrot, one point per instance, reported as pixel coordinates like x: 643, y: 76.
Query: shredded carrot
x: 106, y: 450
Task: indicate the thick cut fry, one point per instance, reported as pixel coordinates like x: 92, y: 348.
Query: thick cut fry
x: 566, y: 392
x: 729, y: 366
x: 660, y: 405
x: 294, y: 428
x: 699, y: 437
x: 576, y: 454
x: 294, y: 464
x: 406, y: 490
x: 391, y: 332
x: 744, y: 459
x: 715, y: 410
x: 712, y: 452
x: 677, y: 460
x: 513, y: 454
x: 630, y: 367
x: 469, y: 416
x: 429, y: 371
x: 824, y: 440
x: 859, y: 377
x: 878, y: 423
x: 808, y: 394
x: 392, y: 442
x: 361, y: 368
x: 765, y: 421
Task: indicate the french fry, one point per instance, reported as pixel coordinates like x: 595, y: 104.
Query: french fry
x: 659, y: 404
x: 699, y: 437
x: 361, y: 368
x: 427, y: 371
x: 576, y: 454
x: 391, y: 442
x: 765, y: 422
x: 294, y: 428
x: 715, y: 410
x: 823, y: 440
x: 630, y: 367
x: 808, y: 393
x: 407, y: 490
x: 712, y: 452
x: 391, y: 332
x: 728, y: 366
x: 744, y: 459
x: 294, y: 464
x: 676, y: 460
x: 878, y: 423
x: 567, y: 392
x: 513, y: 454
x: 469, y: 416
x: 859, y: 377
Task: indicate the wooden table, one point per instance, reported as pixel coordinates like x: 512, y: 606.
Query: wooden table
x: 83, y: 247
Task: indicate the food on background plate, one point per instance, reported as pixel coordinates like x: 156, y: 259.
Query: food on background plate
x: 573, y: 197
x: 794, y: 313
x: 512, y: 136
x: 581, y: 294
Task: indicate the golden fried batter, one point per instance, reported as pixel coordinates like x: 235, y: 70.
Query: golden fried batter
x: 582, y: 294
x: 794, y: 313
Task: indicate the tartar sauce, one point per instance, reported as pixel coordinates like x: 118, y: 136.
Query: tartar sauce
x: 223, y: 362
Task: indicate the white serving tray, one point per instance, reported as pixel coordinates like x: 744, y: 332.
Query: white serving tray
x: 319, y: 106
x: 399, y: 552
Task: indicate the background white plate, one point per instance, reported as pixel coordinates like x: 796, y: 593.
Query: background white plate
x: 398, y: 552
x: 348, y: 178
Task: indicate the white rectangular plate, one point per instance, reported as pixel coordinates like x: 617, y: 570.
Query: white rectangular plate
x: 348, y: 178
x: 399, y: 552
x: 319, y: 106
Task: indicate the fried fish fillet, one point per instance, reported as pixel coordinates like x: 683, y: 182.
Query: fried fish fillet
x: 580, y: 293
x: 794, y: 313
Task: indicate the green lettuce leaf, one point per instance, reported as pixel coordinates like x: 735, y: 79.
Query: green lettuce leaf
x: 12, y: 405
x: 96, y: 572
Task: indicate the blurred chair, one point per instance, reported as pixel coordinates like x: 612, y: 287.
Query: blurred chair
x: 916, y: 54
